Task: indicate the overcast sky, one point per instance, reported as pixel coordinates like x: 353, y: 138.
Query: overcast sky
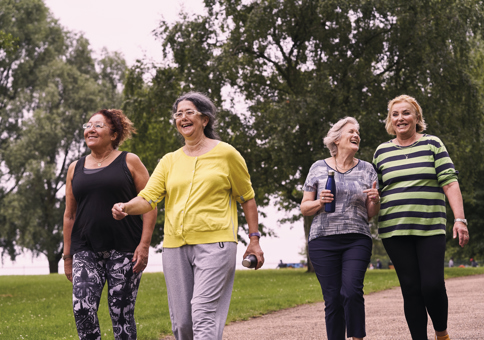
x: 126, y: 26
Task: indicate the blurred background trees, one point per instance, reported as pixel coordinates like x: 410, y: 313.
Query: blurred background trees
x: 280, y: 72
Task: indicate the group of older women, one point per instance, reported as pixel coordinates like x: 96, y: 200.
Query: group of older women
x: 108, y: 191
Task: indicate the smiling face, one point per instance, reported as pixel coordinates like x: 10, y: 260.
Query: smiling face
x: 190, y: 127
x: 350, y: 138
x: 99, y: 138
x: 404, y: 119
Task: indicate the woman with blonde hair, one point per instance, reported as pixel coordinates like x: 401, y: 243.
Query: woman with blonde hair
x: 340, y: 242
x: 416, y: 174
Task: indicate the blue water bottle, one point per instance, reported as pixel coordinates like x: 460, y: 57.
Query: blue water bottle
x: 331, y: 185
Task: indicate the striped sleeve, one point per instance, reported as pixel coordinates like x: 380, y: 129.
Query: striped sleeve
x: 444, y: 167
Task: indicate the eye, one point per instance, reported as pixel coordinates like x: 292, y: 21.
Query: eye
x: 189, y: 113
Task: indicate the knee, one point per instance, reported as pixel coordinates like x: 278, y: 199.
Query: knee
x: 434, y: 290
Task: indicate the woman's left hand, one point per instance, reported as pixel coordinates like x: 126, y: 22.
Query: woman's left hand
x: 460, y: 229
x: 373, y: 194
x: 255, y: 249
x: 141, y: 258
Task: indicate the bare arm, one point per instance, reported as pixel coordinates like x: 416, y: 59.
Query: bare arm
x: 69, y: 218
x: 454, y: 195
x: 140, y: 177
x: 310, y: 205
x: 252, y: 218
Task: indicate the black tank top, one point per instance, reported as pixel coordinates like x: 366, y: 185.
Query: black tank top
x: 95, y: 228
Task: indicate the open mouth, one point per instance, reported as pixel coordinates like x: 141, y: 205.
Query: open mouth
x: 186, y: 125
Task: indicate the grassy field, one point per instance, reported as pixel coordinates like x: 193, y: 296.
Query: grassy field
x: 39, y: 307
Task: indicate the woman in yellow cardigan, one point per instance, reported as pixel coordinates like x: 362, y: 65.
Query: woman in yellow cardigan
x: 200, y: 183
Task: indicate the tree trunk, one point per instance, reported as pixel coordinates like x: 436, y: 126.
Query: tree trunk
x: 307, y: 226
x: 54, y: 262
x: 53, y: 266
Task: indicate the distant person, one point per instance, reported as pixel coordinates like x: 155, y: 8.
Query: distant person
x: 451, y: 262
x: 473, y: 263
x: 281, y: 264
x: 378, y: 264
x: 371, y: 266
x: 416, y: 175
x: 201, y: 183
x: 340, y: 242
x: 98, y: 248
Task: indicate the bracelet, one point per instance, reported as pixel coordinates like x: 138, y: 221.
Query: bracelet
x: 65, y: 257
x: 254, y: 234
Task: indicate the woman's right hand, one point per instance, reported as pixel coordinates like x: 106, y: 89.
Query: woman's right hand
x: 326, y: 197
x: 68, y: 268
x: 118, y: 211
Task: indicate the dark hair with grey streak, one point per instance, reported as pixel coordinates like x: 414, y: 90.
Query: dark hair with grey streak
x: 204, y: 105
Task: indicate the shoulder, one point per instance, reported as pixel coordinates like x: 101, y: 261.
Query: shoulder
x: 71, y: 169
x: 365, y: 165
x: 134, y: 162
x: 384, y: 148
x: 432, y: 140
x: 227, y: 150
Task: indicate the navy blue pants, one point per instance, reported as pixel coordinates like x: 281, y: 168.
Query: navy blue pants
x: 340, y: 262
x: 419, y: 263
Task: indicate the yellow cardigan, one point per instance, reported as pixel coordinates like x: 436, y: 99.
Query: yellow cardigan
x: 200, y: 194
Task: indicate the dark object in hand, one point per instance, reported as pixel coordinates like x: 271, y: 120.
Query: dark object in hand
x: 250, y: 261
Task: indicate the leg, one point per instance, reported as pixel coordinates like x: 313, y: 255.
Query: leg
x: 326, y: 258
x: 88, y: 276
x: 431, y: 253
x: 178, y: 272
x: 214, y: 271
x: 123, y: 287
x: 403, y: 253
x: 355, y: 262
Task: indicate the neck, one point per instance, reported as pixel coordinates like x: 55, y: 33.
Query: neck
x: 193, y: 145
x: 344, y: 159
x: 406, y: 140
x: 100, y: 154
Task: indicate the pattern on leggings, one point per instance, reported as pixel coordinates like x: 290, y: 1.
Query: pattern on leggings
x: 90, y: 272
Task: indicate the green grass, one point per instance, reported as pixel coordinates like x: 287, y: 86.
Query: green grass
x: 39, y: 307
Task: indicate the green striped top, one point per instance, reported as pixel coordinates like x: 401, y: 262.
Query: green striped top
x: 411, y: 180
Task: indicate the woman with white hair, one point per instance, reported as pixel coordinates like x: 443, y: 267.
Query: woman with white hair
x: 340, y: 242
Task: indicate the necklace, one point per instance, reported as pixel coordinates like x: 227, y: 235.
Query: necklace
x: 336, y: 164
x: 99, y: 163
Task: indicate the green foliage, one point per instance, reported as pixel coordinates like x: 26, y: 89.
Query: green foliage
x: 303, y: 65
x: 40, y: 307
x: 50, y: 87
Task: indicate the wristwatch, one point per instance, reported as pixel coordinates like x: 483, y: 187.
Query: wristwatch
x: 463, y: 220
x: 65, y: 257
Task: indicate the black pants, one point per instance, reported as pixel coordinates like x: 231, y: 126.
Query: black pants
x: 340, y: 262
x: 419, y: 262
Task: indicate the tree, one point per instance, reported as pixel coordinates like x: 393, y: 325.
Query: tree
x: 47, y: 135
x: 302, y: 65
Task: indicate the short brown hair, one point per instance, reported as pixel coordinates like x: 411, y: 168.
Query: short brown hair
x: 421, y: 125
x: 122, y: 126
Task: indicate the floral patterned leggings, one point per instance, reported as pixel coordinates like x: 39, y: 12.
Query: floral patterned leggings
x: 90, y: 270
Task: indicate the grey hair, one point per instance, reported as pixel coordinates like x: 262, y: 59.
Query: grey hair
x: 335, y: 133
x: 205, y: 106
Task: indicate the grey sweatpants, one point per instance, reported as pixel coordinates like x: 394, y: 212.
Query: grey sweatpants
x: 199, y: 280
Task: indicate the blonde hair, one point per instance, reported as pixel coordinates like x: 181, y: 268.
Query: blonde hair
x: 421, y: 125
x: 335, y: 133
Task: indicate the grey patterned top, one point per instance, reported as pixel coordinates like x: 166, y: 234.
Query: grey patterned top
x: 351, y: 215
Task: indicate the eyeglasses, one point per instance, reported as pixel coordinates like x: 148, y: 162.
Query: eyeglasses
x: 97, y: 125
x: 188, y: 114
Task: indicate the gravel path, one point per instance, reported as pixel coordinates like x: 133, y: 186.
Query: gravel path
x: 384, y: 317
